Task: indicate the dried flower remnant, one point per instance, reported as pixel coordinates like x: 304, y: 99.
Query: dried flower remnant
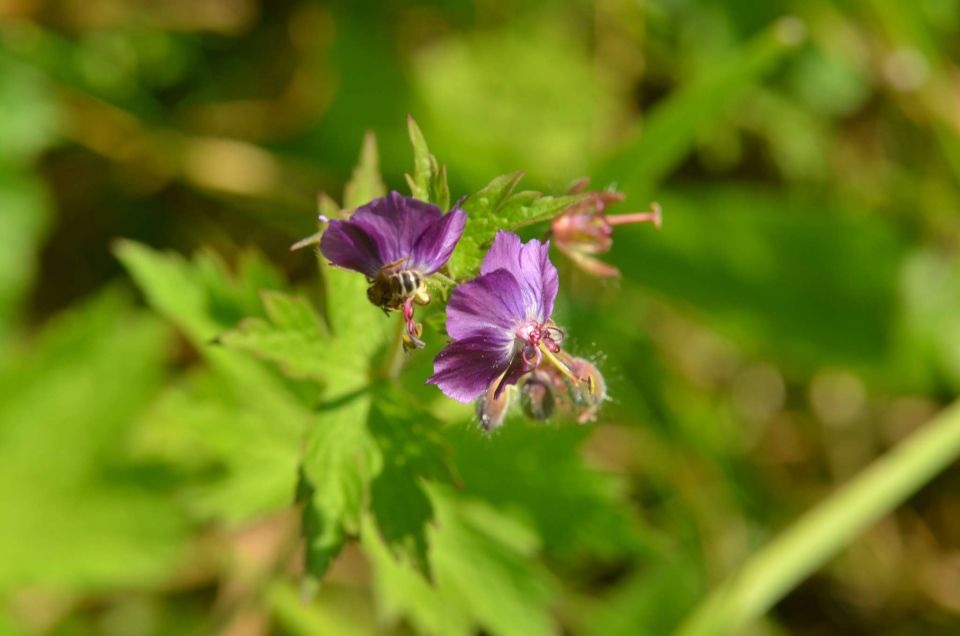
x: 396, y: 242
x: 501, y: 324
x: 585, y: 229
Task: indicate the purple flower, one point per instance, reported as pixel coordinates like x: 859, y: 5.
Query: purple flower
x: 396, y: 242
x: 391, y: 228
x: 500, y: 321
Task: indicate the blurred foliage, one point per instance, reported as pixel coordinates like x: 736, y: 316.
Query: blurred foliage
x: 183, y: 407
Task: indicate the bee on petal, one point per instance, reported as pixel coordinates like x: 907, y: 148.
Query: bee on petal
x: 397, y: 242
x: 395, y: 284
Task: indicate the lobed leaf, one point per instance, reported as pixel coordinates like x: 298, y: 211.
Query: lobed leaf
x: 366, y: 183
x: 411, y: 452
x: 66, y: 407
x: 339, y: 460
x: 294, y: 337
x: 247, y: 418
x: 486, y: 576
x: 429, y: 180
x: 497, y: 207
x: 537, y: 472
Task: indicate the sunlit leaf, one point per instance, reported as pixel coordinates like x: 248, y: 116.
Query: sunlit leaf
x: 249, y: 421
x: 485, y: 574
x: 498, y: 207
x: 366, y: 183
x: 429, y: 180
x: 66, y: 407
x: 23, y: 223
x: 537, y: 473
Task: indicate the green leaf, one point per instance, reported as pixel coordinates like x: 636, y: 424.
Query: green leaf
x: 486, y: 574
x: 371, y: 449
x: 340, y: 456
x: 339, y: 461
x: 366, y: 183
x: 429, y: 180
x: 497, y: 207
x: 293, y: 337
x: 243, y: 414
x: 201, y: 297
x: 67, y: 406
x: 411, y: 452
x: 239, y: 430
x: 23, y: 224
x: 537, y: 473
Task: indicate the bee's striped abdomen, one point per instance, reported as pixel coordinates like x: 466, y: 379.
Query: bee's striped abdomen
x: 407, y: 282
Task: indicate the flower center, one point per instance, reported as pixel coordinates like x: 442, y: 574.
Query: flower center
x: 534, y: 338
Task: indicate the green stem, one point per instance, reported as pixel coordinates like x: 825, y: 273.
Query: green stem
x: 396, y: 356
x: 824, y: 531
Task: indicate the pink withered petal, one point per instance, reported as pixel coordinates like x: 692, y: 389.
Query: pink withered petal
x: 585, y: 228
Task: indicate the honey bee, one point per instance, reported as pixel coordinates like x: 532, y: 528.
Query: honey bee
x: 393, y: 286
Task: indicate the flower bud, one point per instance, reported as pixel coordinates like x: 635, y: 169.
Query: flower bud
x: 536, y: 397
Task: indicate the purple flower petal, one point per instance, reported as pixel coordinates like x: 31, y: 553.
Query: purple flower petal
x: 435, y: 245
x: 394, y: 223
x: 492, y: 300
x: 465, y: 368
x: 530, y: 264
x: 346, y: 245
x: 392, y: 228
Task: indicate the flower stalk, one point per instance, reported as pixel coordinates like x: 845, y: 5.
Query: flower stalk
x: 825, y: 530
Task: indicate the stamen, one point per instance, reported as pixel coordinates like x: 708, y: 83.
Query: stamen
x: 564, y: 369
x: 655, y: 216
x: 411, y: 336
x: 555, y: 335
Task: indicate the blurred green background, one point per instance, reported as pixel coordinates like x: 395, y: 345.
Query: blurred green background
x: 797, y: 315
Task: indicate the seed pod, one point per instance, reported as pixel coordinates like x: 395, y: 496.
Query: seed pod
x: 592, y: 391
x: 492, y: 410
x: 536, y: 397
